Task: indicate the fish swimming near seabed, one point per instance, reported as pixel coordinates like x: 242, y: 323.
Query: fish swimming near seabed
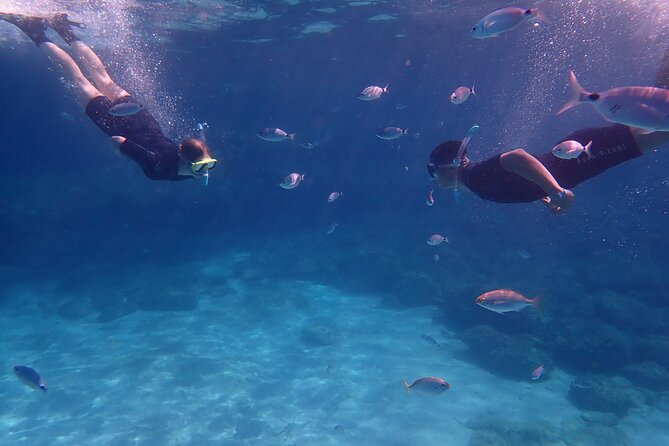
x: 29, y: 377
x: 430, y: 339
x: 646, y: 108
x: 505, y: 301
x: 428, y: 385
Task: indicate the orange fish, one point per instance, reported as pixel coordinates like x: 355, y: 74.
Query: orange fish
x: 536, y: 373
x: 504, y: 301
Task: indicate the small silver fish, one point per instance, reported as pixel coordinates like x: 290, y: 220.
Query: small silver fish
x: 646, y: 108
x: 332, y: 228
x: 569, y: 150
x: 334, y: 195
x: 505, y: 19
x: 436, y: 239
x: 125, y: 109
x: 274, y: 134
x: 372, y: 92
x: 461, y: 94
x: 429, y: 200
x: 391, y: 133
x: 524, y: 254
x: 292, y: 181
x: 429, y: 385
x: 29, y: 377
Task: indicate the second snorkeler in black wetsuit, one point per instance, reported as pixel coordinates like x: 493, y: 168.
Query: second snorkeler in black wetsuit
x: 519, y: 177
x: 137, y: 136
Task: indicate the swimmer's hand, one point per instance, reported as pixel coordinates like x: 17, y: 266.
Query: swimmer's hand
x: 116, y: 144
x: 559, y: 202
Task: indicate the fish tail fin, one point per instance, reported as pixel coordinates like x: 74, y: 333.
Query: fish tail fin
x: 536, y: 303
x: 538, y: 11
x: 472, y: 89
x: 405, y: 132
x: 407, y: 386
x: 586, y: 149
x: 385, y: 89
x: 576, y: 93
x: 291, y: 136
x: 302, y: 177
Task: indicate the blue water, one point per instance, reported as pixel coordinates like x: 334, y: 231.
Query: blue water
x: 178, y: 314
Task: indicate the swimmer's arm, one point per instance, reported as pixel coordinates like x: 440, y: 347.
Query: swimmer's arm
x: 138, y: 153
x: 522, y: 163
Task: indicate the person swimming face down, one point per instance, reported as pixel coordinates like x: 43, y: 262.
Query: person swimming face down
x: 444, y: 164
x: 195, y: 153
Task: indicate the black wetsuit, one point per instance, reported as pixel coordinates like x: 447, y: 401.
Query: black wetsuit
x: 145, y: 142
x: 610, y: 146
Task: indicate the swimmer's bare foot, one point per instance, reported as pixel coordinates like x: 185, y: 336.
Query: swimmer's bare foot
x: 33, y: 27
x: 61, y: 23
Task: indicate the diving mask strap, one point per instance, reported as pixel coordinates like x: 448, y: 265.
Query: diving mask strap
x: 459, y: 159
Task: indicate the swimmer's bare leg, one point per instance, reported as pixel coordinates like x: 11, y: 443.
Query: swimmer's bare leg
x: 86, y: 57
x: 34, y: 28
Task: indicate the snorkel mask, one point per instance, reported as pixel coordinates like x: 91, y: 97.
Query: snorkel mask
x: 202, y: 168
x: 457, y: 162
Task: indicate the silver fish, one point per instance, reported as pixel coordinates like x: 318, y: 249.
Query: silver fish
x: 292, y: 181
x: 646, y: 108
x: 428, y: 385
x: 436, y: 239
x: 29, y: 377
x: 372, y: 92
x: 461, y: 94
x: 503, y: 20
x: 391, y: 133
x: 125, y: 109
x: 274, y: 134
x: 569, y: 150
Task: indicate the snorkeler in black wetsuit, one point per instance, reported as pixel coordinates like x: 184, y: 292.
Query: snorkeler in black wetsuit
x: 137, y: 136
x: 519, y: 177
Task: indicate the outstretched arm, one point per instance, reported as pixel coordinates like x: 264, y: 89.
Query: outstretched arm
x: 522, y: 163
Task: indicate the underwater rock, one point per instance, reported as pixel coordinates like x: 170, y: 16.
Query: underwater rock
x: 578, y: 432
x: 248, y: 429
x: 602, y: 418
x: 113, y: 307
x: 590, y: 345
x: 168, y: 299
x: 629, y: 314
x: 319, y: 335
x: 75, y: 309
x: 657, y: 349
x: 513, y: 357
x: 648, y: 374
x: 605, y: 394
x: 505, y: 433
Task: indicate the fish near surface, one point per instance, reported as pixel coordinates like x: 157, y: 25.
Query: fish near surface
x: 646, y: 108
x: 505, y: 19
